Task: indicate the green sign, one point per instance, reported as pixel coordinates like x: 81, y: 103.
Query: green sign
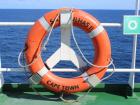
x: 131, y: 24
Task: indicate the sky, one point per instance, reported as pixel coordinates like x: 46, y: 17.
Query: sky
x: 81, y: 4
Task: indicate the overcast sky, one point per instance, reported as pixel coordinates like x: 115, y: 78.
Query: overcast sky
x: 52, y: 4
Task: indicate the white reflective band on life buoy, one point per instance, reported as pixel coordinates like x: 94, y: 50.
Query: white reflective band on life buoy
x: 96, y: 31
x: 43, y: 71
x: 36, y: 78
x: 85, y: 75
x: 44, y: 23
x: 93, y: 80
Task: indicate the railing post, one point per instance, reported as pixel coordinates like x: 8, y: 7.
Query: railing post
x: 1, y: 76
x: 133, y: 65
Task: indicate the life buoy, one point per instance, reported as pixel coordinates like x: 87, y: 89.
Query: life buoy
x: 81, y: 20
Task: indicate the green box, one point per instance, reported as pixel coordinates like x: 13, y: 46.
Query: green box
x: 131, y: 24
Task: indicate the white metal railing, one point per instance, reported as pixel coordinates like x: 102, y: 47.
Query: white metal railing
x: 124, y: 70
x: 31, y: 23
x: 16, y: 23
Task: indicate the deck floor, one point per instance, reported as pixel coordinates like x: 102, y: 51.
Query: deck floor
x: 97, y: 98
x: 102, y: 95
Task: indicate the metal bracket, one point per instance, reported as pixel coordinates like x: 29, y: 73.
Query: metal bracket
x: 65, y: 52
x: 93, y: 80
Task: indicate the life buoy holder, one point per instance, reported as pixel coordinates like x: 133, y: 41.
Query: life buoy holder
x: 90, y: 77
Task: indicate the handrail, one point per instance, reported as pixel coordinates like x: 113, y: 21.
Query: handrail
x: 16, y: 23
x: 68, y: 70
x: 31, y: 23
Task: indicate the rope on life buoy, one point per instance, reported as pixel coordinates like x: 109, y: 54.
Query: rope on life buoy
x: 43, y: 47
x: 97, y: 66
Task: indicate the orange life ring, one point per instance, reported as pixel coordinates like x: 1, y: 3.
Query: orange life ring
x: 81, y: 20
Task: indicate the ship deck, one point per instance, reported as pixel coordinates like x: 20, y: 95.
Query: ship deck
x: 104, y: 94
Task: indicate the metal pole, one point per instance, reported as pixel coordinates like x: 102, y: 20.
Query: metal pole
x: 133, y: 66
x: 0, y: 61
x: 1, y: 75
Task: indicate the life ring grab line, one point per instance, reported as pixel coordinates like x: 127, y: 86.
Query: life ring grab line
x: 91, y: 34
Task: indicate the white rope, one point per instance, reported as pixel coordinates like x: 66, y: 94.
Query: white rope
x: 31, y: 85
x: 75, y: 41
x: 43, y: 47
x: 43, y: 96
x: 111, y: 60
x: 110, y: 63
x: 26, y: 65
x: 48, y: 38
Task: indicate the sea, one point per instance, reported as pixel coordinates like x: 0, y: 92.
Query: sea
x: 12, y: 39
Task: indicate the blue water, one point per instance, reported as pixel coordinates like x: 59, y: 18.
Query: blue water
x: 12, y: 41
